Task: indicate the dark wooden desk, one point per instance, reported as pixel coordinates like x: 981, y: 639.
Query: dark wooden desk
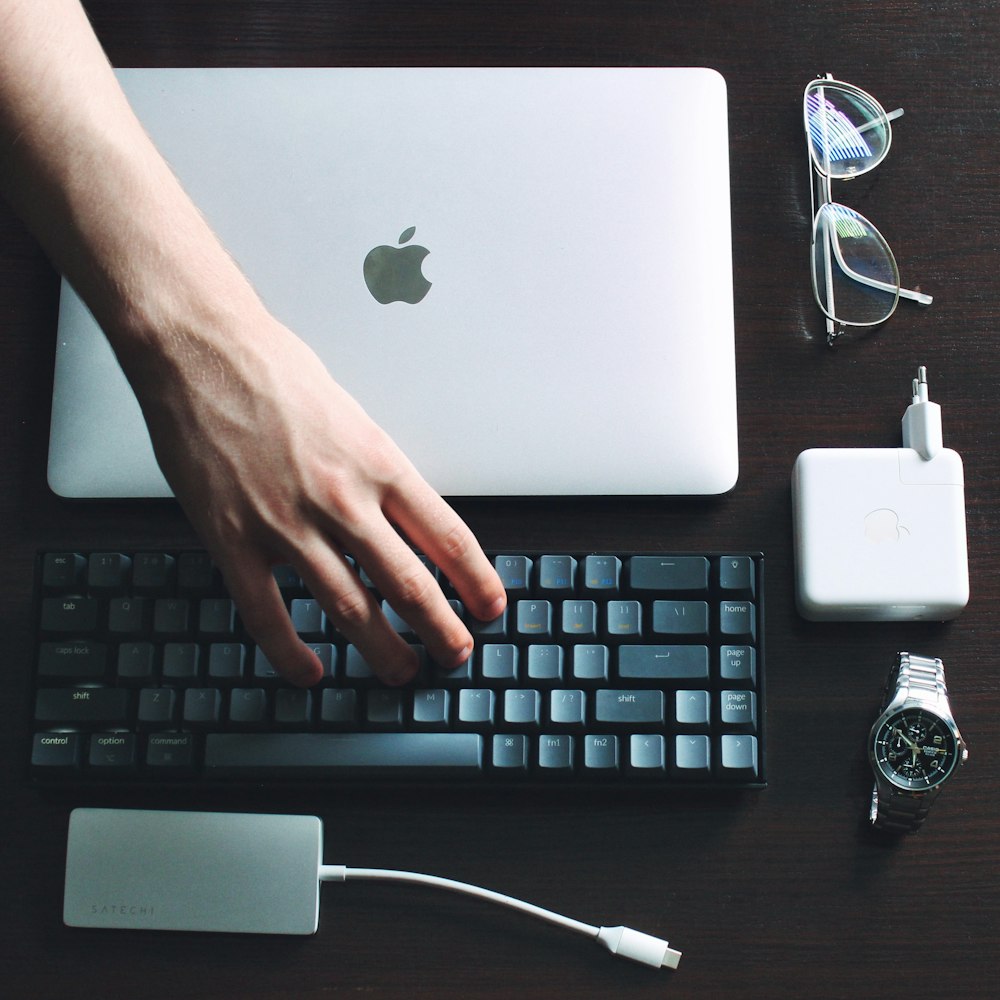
x: 770, y: 894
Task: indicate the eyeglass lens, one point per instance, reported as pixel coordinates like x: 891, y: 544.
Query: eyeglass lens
x: 848, y: 132
x: 854, y: 272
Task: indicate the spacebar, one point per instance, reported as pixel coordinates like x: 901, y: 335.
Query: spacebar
x: 342, y: 754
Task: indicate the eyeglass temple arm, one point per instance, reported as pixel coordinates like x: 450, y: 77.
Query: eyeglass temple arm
x: 890, y: 116
x: 904, y: 293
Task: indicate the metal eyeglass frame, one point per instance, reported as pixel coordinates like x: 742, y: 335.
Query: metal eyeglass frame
x: 820, y: 196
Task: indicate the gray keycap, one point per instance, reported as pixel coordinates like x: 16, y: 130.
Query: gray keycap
x: 738, y: 708
x: 737, y: 575
x: 693, y: 756
x: 680, y: 618
x: 566, y: 708
x: 739, y: 757
x: 342, y: 754
x: 663, y: 662
x: 737, y: 621
x: 600, y: 753
x: 667, y: 573
x: 629, y: 707
x: 692, y: 708
x: 555, y: 753
x: 646, y: 753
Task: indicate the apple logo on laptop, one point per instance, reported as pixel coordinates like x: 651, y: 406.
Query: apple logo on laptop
x: 393, y: 274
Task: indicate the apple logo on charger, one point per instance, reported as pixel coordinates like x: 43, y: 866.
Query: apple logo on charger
x: 883, y: 525
x: 393, y: 274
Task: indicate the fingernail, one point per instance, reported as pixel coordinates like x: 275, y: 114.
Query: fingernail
x: 495, y: 609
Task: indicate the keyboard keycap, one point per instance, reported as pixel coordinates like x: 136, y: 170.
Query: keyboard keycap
x: 202, y: 707
x: 579, y: 619
x: 567, y: 708
x: 737, y: 621
x: 157, y: 707
x: 693, y: 756
x: 69, y: 614
x: 555, y: 754
x: 93, y: 706
x: 355, y: 754
x: 738, y: 663
x: 693, y: 708
x: 647, y: 753
x: 557, y: 576
x: 600, y: 753
x: 629, y: 707
x: 339, y: 708
x: 663, y: 662
x: 292, y: 708
x: 674, y: 573
x: 81, y: 659
x: 739, y: 757
x: 510, y: 752
x: 171, y: 753
x: 514, y: 573
x: 63, y: 571
x: 739, y: 708
x: 534, y: 619
x: 112, y: 752
x: 522, y: 708
x: 107, y: 572
x: 737, y: 576
x: 53, y: 752
x: 602, y: 573
x: 591, y: 663
x: 153, y: 573
x: 624, y: 619
x: 431, y: 708
x: 680, y: 618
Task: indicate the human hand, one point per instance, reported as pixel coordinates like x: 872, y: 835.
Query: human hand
x: 273, y: 463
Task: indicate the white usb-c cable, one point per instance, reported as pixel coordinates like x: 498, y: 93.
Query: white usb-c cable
x: 622, y: 941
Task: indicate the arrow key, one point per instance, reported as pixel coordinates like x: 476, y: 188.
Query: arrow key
x: 692, y: 708
x: 646, y: 754
x: 692, y: 757
x: 739, y: 758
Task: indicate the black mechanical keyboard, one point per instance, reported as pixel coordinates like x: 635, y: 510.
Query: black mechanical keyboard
x: 615, y: 669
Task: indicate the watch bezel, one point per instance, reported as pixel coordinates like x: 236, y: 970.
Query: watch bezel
x: 881, y: 768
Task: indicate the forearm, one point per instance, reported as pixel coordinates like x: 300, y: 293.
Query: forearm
x: 271, y: 459
x: 79, y: 168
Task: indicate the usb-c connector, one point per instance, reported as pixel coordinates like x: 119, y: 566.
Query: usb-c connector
x: 639, y: 947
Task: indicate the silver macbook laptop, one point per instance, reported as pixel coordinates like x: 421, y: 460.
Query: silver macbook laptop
x: 524, y: 275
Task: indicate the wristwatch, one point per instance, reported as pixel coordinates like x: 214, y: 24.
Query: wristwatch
x: 914, y: 746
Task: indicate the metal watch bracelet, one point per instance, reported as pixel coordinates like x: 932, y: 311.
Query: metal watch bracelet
x: 919, y: 679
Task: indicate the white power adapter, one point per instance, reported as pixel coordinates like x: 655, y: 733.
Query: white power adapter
x: 880, y: 532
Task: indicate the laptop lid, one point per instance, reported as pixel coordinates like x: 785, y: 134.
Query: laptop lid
x: 523, y: 275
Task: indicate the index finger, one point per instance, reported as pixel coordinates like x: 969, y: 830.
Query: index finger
x: 437, y: 530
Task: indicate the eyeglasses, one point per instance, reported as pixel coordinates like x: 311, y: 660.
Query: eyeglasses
x: 854, y: 274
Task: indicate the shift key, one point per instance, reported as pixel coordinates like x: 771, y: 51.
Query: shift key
x: 94, y: 706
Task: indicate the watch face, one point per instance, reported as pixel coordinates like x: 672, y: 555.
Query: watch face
x: 915, y: 749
